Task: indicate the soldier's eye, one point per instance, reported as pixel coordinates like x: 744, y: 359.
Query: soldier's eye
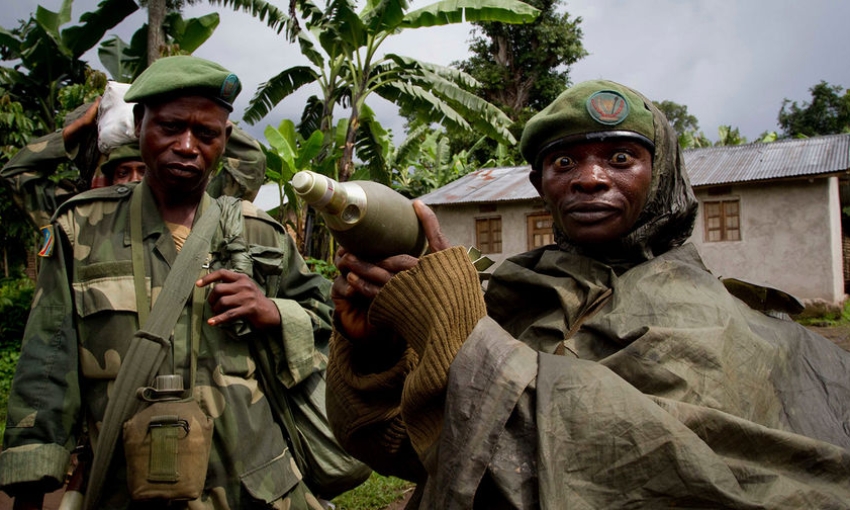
x: 560, y: 162
x: 621, y: 158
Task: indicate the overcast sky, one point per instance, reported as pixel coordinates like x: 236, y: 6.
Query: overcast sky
x: 731, y: 62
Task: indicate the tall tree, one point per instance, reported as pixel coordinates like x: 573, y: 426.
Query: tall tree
x: 678, y: 116
x: 521, y: 69
x: 157, y: 9
x: 828, y: 113
x: 125, y: 62
x: 156, y: 31
x: 525, y: 66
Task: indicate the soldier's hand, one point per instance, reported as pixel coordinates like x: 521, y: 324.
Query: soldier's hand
x: 358, y: 283
x: 236, y: 296
x: 360, y: 280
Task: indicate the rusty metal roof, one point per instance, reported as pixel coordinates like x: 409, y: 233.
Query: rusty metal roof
x: 485, y: 185
x: 763, y: 161
x: 822, y: 155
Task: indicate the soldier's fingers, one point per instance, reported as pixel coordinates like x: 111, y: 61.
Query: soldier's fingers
x: 341, y: 288
x: 220, y: 275
x: 363, y: 287
x: 378, y: 272
x: 225, y: 316
x: 436, y: 239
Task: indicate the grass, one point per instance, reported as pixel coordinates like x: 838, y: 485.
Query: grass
x: 374, y: 494
x: 827, y: 317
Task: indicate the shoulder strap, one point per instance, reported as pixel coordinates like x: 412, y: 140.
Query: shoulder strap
x: 149, y: 346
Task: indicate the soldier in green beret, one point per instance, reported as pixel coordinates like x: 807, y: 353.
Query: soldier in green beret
x: 608, y: 370
x: 256, y: 309
x: 124, y: 164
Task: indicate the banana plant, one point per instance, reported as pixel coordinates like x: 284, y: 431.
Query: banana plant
x: 46, y: 55
x: 344, y: 51
x: 125, y: 61
x: 287, y: 154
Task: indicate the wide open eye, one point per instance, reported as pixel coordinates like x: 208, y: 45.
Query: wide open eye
x: 559, y: 161
x: 621, y: 158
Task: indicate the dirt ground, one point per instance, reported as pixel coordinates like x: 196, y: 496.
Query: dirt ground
x: 838, y: 334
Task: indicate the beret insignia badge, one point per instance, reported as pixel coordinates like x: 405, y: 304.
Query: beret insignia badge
x: 230, y: 87
x: 607, y: 107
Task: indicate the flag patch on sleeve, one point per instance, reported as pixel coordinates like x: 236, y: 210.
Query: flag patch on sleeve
x: 47, y: 240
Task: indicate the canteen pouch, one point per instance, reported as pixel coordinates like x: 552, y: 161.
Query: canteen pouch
x: 167, y: 447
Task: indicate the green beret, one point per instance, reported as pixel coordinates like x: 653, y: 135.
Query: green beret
x: 184, y: 75
x: 590, y: 110
x: 119, y: 154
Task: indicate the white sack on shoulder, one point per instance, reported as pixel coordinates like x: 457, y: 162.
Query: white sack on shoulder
x: 114, y: 118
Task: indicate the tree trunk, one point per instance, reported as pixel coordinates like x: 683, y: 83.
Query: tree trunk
x: 156, y: 36
x: 346, y: 163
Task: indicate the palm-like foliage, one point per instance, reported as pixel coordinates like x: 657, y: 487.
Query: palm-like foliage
x: 46, y: 56
x: 181, y: 37
x: 343, y: 48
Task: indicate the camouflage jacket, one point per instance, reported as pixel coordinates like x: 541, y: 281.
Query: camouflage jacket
x: 29, y: 173
x: 82, y: 321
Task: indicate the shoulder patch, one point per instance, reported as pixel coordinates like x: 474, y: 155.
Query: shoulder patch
x: 607, y: 107
x: 48, y: 240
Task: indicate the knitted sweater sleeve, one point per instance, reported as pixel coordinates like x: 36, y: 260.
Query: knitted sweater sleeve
x: 363, y: 406
x: 397, y: 413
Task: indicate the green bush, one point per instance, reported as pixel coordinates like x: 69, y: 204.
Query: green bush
x: 323, y: 267
x: 15, y: 298
x: 8, y: 360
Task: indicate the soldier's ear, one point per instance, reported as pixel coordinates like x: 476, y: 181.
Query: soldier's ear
x: 535, y: 176
x: 138, y: 115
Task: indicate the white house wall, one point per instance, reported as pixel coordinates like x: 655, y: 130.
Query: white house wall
x: 790, y: 238
x: 458, y: 224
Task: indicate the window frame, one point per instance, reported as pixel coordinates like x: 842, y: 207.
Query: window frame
x: 531, y: 231
x: 724, y: 217
x: 487, y: 247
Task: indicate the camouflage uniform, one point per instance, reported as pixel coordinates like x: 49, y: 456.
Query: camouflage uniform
x: 243, y: 168
x: 83, y: 317
x: 28, y: 174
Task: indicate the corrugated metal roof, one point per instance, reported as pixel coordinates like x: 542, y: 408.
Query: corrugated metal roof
x: 485, y: 185
x: 784, y: 159
x: 762, y: 161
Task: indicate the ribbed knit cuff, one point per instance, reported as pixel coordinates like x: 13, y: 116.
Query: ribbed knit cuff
x: 434, y: 306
